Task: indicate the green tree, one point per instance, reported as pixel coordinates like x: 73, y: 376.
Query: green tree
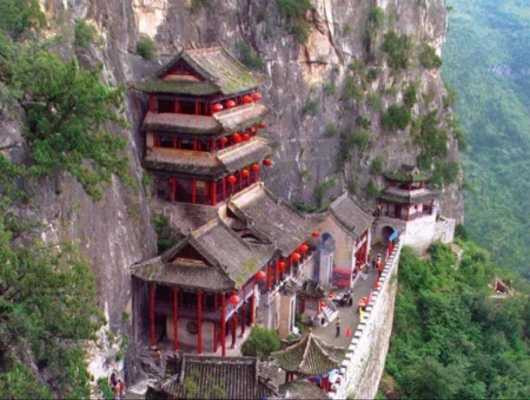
x: 261, y: 342
x: 19, y: 16
x: 398, y: 49
x: 146, y: 47
x: 396, y: 117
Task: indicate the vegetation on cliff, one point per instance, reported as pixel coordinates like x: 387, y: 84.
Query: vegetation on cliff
x: 451, y: 337
x: 486, y: 62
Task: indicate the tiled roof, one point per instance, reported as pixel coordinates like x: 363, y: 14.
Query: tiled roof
x: 208, y: 377
x: 204, y: 163
x: 416, y: 196
x: 230, y: 261
x: 407, y: 173
x: 282, y: 224
x: 229, y: 121
x: 176, y: 87
x: 350, y: 215
x: 311, y: 356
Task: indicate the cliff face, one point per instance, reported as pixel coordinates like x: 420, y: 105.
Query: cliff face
x: 303, y: 93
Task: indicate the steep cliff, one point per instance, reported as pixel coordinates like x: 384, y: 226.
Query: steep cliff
x: 328, y: 77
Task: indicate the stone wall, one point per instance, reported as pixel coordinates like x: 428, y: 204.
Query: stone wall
x: 363, y: 366
x: 444, y: 230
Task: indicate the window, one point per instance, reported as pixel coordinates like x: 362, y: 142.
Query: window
x: 166, y: 106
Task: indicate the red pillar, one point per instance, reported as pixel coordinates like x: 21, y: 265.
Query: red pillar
x: 152, y: 327
x: 176, y: 106
x: 214, y: 338
x: 199, y: 321
x: 153, y: 103
x: 224, y: 188
x: 243, y: 318
x: 234, y: 329
x: 269, y: 277
x: 175, y: 319
x: 223, y: 325
x: 213, y: 192
x: 277, y: 272
x: 172, y: 189
x: 193, y: 190
x: 252, y: 309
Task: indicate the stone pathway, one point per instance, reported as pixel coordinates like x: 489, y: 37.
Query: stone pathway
x: 349, y: 316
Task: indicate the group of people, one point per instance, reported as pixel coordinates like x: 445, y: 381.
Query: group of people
x: 117, y: 386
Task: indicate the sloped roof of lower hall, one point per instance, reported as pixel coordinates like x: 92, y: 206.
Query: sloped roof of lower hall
x: 231, y: 120
x: 228, y: 261
x: 216, y: 378
x: 310, y: 356
x: 277, y: 220
x: 205, y: 163
x: 302, y: 389
x: 352, y: 217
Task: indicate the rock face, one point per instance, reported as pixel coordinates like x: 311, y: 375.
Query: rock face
x: 303, y: 91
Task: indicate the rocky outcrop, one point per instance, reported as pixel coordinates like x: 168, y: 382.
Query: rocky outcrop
x: 303, y: 91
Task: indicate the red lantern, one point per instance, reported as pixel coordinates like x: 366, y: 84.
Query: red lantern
x: 236, y: 137
x: 224, y: 140
x: 246, y: 136
x: 296, y: 257
x: 247, y: 99
x: 245, y: 173
x: 262, y: 125
x: 304, y: 248
x: 217, y: 107
x: 255, y: 168
x: 256, y: 96
x: 230, y: 104
x: 282, y: 265
x: 253, y: 129
x: 234, y: 299
x: 267, y: 162
x: 315, y: 234
x: 232, y: 180
x: 261, y: 276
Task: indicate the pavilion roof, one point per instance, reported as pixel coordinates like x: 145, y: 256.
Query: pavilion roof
x: 302, y: 389
x: 229, y: 121
x: 407, y: 173
x: 184, y: 87
x: 403, y: 196
x: 278, y: 221
x: 310, y: 356
x: 211, y: 377
x: 228, y: 261
x: 205, y: 163
x: 350, y: 215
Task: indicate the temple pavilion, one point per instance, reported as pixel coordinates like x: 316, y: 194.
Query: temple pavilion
x: 242, y: 250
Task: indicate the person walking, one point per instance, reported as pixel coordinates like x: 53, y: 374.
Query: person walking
x: 337, y: 327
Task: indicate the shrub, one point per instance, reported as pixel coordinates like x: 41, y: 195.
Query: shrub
x: 374, y: 24
x: 294, y: 13
x: 372, y: 190
x: 428, y: 58
x: 145, y: 47
x: 363, y: 122
x: 432, y: 140
x: 20, y: 16
x: 396, y: 117
x: 166, y: 235
x: 331, y: 130
x: 197, y: 5
x: 249, y: 57
x: 329, y: 88
x: 261, y: 342
x: 351, y: 90
x: 84, y: 34
x: 445, y: 173
x: 461, y: 232
x: 105, y: 389
x: 398, y: 48
x: 375, y: 101
x: 310, y: 107
x: 410, y: 96
x: 376, y: 167
x: 372, y: 74
x: 321, y: 190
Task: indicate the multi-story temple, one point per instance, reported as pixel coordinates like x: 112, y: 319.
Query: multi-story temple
x: 244, y: 249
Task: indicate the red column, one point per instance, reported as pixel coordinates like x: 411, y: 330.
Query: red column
x: 175, y: 319
x: 224, y: 188
x: 156, y: 140
x: 269, y: 277
x: 277, y: 272
x: 223, y: 325
x: 196, y: 107
x: 213, y: 192
x: 153, y: 103
x: 193, y: 190
x: 199, y: 321
x: 152, y: 327
x: 234, y: 329
x: 172, y: 189
x: 214, y: 338
x: 176, y: 106
x: 243, y: 318
x: 252, y: 309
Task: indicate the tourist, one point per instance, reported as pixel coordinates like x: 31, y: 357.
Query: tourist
x: 337, y: 326
x: 113, y: 381
x: 119, y: 390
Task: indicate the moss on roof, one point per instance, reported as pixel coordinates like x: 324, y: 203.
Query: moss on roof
x: 407, y: 174
x: 176, y: 87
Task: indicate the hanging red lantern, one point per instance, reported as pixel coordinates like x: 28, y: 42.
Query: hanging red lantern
x: 236, y: 137
x: 217, y: 107
x: 253, y: 129
x: 261, y: 276
x: 255, y: 168
x: 282, y: 265
x: 296, y: 257
x: 245, y: 173
x: 267, y: 162
x: 232, y: 180
x: 247, y: 99
x: 246, y: 136
x: 315, y: 234
x: 304, y: 248
x: 256, y: 96
x: 224, y: 140
x: 230, y: 104
x: 234, y: 299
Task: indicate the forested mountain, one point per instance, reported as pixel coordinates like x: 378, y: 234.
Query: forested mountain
x: 486, y: 63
